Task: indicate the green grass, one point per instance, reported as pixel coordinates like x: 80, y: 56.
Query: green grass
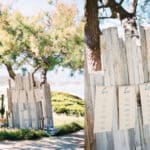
x: 21, y: 134
x: 64, y: 103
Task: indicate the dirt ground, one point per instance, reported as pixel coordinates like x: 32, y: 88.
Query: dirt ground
x: 73, y: 141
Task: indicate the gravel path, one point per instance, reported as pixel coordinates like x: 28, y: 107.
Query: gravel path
x: 73, y: 141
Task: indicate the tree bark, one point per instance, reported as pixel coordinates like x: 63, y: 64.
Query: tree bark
x: 92, y: 63
x: 92, y: 36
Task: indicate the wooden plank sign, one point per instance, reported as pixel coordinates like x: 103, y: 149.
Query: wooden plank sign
x: 104, y: 105
x: 145, y: 101
x: 127, y: 107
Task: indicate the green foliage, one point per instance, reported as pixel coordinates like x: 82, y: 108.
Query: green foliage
x: 67, y: 104
x: 69, y: 128
x: 21, y: 134
x: 30, y: 40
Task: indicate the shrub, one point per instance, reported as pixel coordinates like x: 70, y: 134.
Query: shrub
x: 67, y: 104
x: 21, y: 134
x: 68, y: 128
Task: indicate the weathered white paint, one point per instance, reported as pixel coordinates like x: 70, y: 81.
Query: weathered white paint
x: 30, y: 106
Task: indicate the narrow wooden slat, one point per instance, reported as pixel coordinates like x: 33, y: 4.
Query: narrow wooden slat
x: 32, y: 109
x: 90, y: 139
x: 145, y: 52
x: 15, y: 108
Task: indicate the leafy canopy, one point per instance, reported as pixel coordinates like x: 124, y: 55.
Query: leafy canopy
x: 43, y: 41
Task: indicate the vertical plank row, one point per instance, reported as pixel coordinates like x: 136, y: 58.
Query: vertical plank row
x: 30, y: 106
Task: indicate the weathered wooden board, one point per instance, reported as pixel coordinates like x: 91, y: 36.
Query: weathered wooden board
x: 145, y: 51
x: 15, y: 107
x: 104, y: 106
x: 33, y: 109
x: 90, y: 139
x: 9, y: 95
x: 19, y: 82
x: 114, y: 64
x: 127, y: 107
x: 145, y: 101
x: 124, y: 62
x: 48, y: 104
x: 40, y: 114
x: 25, y: 120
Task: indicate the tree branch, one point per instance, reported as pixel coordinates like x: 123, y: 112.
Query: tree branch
x: 120, y: 3
x: 117, y: 8
x: 102, y: 6
x: 36, y: 69
x: 106, y: 17
x: 10, y: 70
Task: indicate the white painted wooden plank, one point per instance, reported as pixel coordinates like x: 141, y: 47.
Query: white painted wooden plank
x: 96, y: 78
x: 115, y: 68
x: 104, y: 106
x: 127, y: 107
x: 120, y: 68
x: 145, y: 53
x: 145, y: 100
x: 9, y: 98
x: 24, y: 110
x: 105, y: 141
x: 15, y: 108
x: 33, y: 109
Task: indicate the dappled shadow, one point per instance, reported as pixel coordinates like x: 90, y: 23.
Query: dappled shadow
x: 69, y: 142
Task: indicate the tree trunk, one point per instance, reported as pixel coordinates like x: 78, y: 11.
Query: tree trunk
x: 92, y: 63
x: 92, y: 35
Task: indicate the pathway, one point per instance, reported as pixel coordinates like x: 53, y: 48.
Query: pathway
x: 73, y: 141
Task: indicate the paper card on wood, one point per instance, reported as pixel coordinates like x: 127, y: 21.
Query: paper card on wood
x: 127, y: 107
x: 145, y: 101
x: 104, y: 104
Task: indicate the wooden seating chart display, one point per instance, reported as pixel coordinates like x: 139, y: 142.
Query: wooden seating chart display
x: 29, y: 106
x: 145, y: 101
x: 127, y: 107
x: 125, y: 61
x: 104, y: 108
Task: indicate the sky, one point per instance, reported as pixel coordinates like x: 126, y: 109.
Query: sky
x: 31, y: 7
x: 60, y: 80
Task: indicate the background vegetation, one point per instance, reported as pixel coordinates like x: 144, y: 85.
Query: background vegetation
x: 64, y: 103
x: 68, y: 111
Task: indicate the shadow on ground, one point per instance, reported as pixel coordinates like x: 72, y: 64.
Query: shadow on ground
x: 73, y: 141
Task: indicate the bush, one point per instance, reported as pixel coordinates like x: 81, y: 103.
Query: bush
x: 21, y: 134
x: 67, y: 104
x: 68, y: 128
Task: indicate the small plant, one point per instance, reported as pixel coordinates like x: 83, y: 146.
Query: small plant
x: 2, y: 108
